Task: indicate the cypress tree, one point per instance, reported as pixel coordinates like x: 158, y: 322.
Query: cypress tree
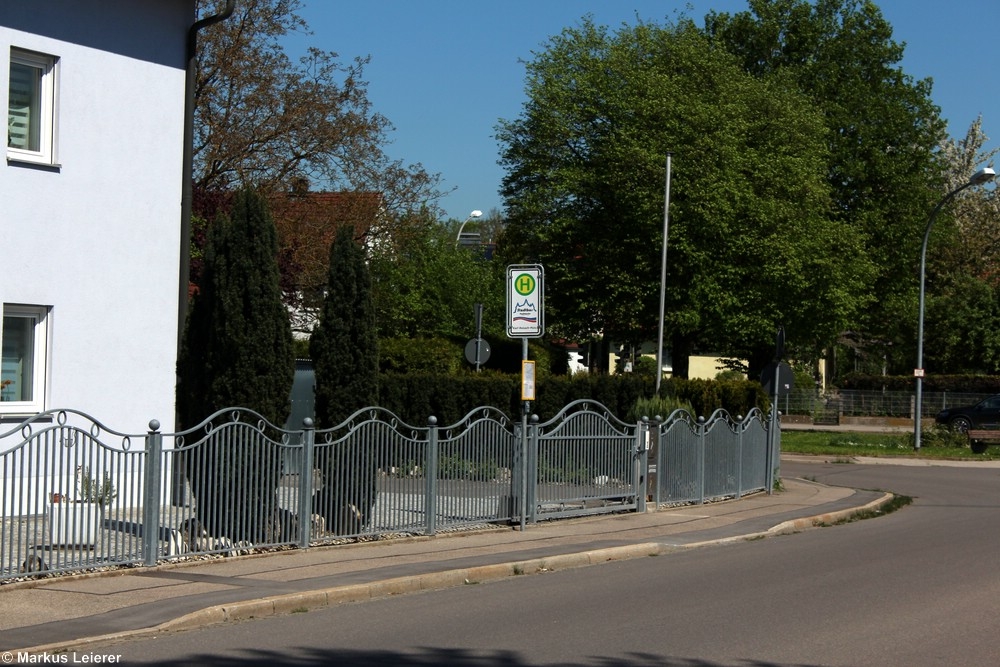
x: 343, y: 344
x: 237, y: 352
x: 345, y: 357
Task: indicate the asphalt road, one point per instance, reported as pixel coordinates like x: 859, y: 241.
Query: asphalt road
x: 917, y: 587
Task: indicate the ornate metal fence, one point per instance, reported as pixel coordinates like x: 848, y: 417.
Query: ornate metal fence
x: 77, y: 495
x: 66, y: 477
x: 698, y: 460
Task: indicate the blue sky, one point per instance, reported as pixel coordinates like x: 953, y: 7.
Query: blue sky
x: 444, y: 71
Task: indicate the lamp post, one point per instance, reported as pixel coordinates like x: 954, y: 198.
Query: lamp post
x: 663, y: 275
x: 475, y: 214
x: 982, y: 176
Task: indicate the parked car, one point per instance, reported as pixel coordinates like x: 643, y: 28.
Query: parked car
x: 983, y: 415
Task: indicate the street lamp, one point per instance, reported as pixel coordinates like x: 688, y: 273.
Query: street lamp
x: 982, y: 176
x: 663, y: 276
x: 475, y: 214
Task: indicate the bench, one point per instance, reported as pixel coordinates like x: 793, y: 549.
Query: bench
x: 980, y: 439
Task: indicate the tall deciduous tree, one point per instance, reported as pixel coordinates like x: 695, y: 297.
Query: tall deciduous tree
x: 345, y: 357
x: 752, y: 242
x: 883, y: 135
x: 969, y: 236
x: 265, y: 120
x: 236, y: 352
x: 307, y: 224
x: 962, y: 327
x: 428, y: 287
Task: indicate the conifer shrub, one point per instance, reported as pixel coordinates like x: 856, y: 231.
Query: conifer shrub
x: 236, y: 352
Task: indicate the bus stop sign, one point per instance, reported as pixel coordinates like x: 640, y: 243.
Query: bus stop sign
x: 525, y: 302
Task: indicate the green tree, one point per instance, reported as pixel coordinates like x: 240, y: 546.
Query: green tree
x: 345, y: 357
x: 752, y: 241
x: 427, y: 287
x: 883, y: 134
x: 236, y: 352
x: 343, y: 344
x: 962, y: 324
x: 968, y: 238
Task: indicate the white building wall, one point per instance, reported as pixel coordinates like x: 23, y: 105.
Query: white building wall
x: 97, y: 238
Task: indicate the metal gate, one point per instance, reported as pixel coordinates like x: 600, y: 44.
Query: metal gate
x: 585, y: 461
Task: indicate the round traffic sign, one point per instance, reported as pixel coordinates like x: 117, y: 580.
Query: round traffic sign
x: 477, y: 351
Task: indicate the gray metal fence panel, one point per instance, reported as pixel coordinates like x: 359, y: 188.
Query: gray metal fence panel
x: 585, y: 462
x: 680, y: 462
x: 874, y: 403
x: 475, y: 459
x: 710, y: 459
x: 721, y: 442
x: 71, y: 499
x: 754, y: 443
x: 370, y: 471
x: 227, y: 486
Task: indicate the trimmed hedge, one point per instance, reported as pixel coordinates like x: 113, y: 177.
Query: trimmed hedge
x: 971, y: 384
x: 416, y: 396
x: 737, y: 397
x: 447, y: 356
x: 419, y: 355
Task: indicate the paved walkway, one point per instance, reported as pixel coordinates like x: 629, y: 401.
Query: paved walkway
x: 70, y: 613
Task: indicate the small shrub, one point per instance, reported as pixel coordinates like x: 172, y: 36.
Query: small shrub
x: 940, y: 436
x: 91, y: 490
x: 645, y: 366
x: 658, y: 406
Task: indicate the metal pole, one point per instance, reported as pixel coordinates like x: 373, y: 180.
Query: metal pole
x: 772, y: 459
x: 479, y: 331
x: 152, y: 481
x: 306, y: 488
x: 474, y: 214
x: 431, y: 468
x: 663, y: 277
x: 187, y: 159
x: 524, y: 445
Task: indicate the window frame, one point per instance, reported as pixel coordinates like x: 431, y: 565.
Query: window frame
x: 47, y: 101
x: 40, y: 316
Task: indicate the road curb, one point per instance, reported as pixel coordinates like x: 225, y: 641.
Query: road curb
x: 804, y: 523
x: 819, y: 520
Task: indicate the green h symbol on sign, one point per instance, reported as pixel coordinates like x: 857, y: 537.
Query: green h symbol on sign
x: 524, y: 284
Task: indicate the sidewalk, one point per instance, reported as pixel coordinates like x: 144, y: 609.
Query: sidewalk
x: 65, y: 613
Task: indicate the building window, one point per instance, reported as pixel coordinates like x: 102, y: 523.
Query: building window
x: 24, y: 345
x: 31, y: 105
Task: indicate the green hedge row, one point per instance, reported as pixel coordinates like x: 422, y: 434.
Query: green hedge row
x: 971, y: 384
x: 737, y: 397
x: 442, y: 355
x: 416, y: 396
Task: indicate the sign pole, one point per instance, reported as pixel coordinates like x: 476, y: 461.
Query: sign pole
x: 479, y: 334
x: 524, y: 440
x: 773, y: 452
x: 525, y: 319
